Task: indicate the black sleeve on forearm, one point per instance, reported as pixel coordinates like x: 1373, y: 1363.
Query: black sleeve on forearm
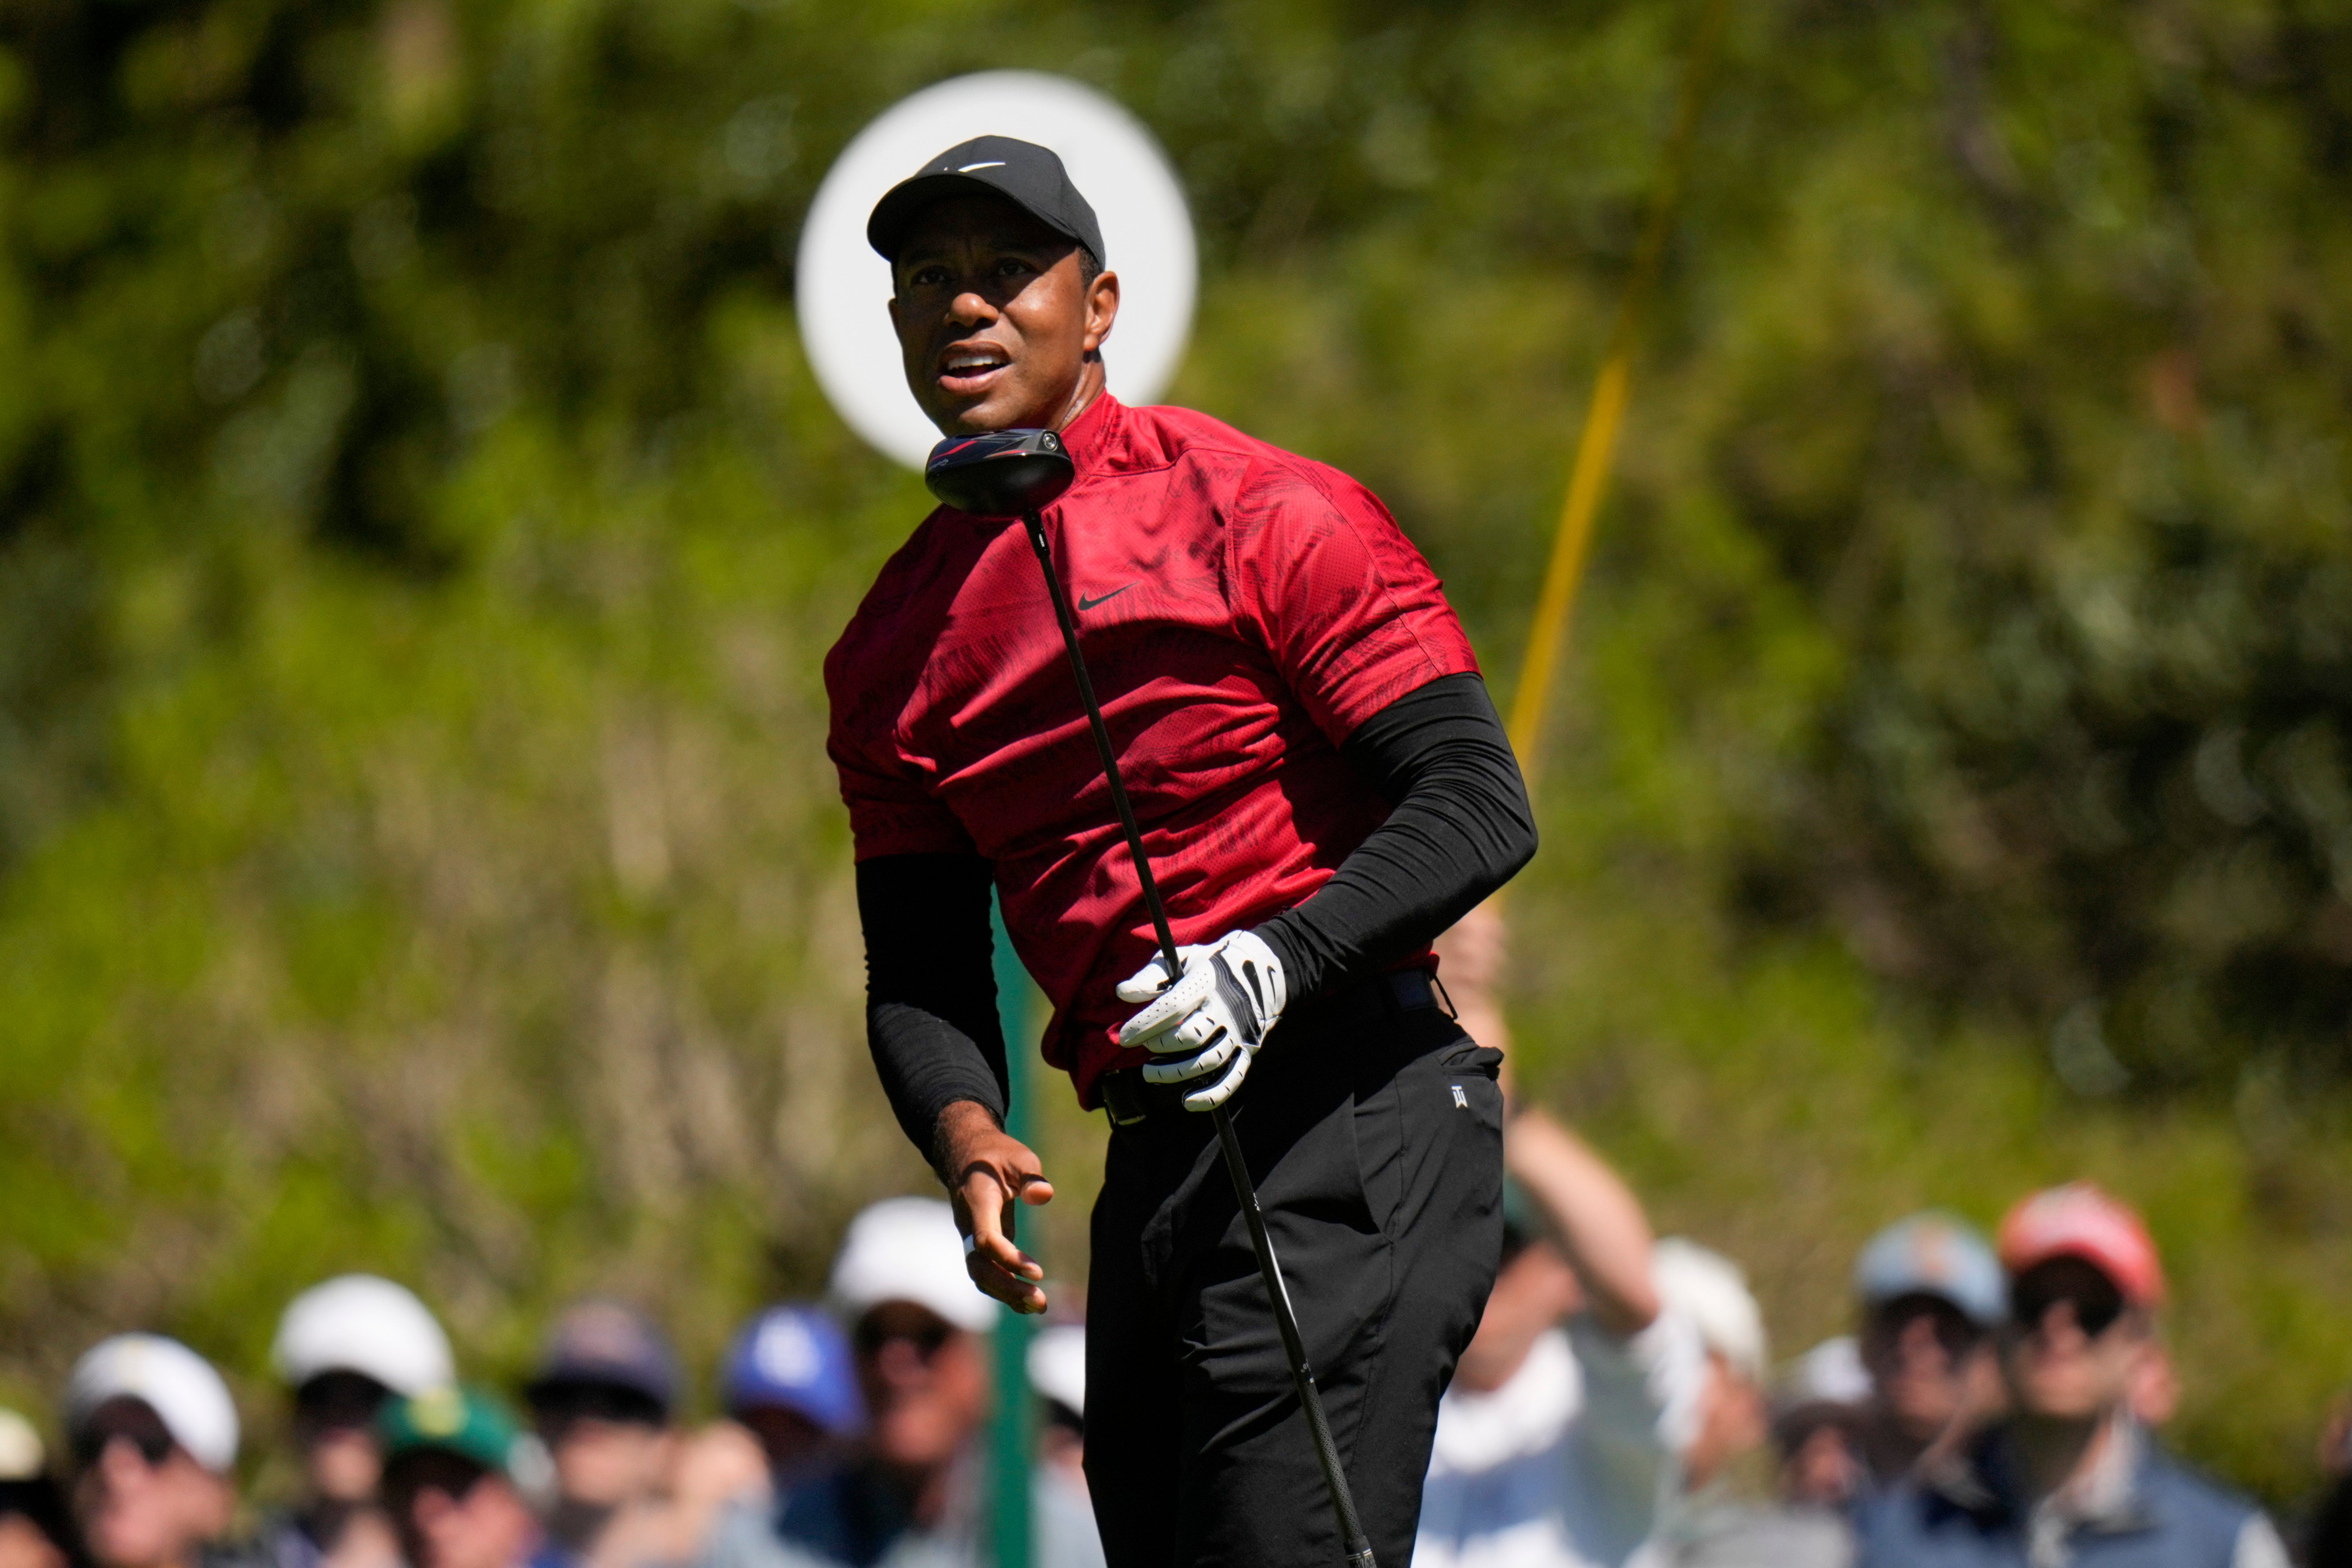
x: 1460, y: 827
x: 930, y: 988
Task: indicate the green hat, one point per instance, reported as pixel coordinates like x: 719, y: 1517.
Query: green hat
x: 461, y: 1421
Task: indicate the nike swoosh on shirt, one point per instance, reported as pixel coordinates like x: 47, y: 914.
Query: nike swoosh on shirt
x: 1087, y: 603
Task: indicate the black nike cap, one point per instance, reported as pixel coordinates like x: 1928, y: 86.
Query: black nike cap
x: 1029, y: 177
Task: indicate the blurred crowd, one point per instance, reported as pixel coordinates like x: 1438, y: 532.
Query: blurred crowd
x: 851, y: 1435
x: 1995, y: 1405
x: 1998, y: 1403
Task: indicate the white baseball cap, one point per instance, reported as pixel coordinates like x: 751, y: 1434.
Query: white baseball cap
x: 1830, y: 1373
x: 908, y: 1250
x: 179, y: 1385
x: 1709, y: 1289
x: 1058, y: 1365
x: 357, y: 1323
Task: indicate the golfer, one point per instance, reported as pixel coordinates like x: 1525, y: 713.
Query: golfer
x: 1323, y: 787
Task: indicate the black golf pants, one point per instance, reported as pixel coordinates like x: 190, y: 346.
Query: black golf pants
x: 1374, y: 1132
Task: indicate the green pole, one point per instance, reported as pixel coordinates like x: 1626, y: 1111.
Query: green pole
x: 1012, y: 1429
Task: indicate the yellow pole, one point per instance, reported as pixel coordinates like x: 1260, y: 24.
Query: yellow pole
x: 1597, y: 445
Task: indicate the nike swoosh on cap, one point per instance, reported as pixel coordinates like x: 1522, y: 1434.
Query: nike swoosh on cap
x: 967, y: 168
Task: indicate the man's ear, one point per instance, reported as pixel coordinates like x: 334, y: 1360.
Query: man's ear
x: 1102, y: 308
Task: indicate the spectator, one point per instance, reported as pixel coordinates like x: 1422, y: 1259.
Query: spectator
x: 1705, y: 1528
x: 790, y: 1380
x: 450, y: 1481
x: 155, y: 1438
x: 1807, y: 1526
x: 1709, y: 1288
x: 792, y: 1409
x: 2155, y: 1384
x: 2069, y: 1476
x: 1930, y: 1291
x: 34, y: 1533
x: 1817, y: 1425
x: 1057, y: 1370
x: 792, y: 1406
x: 1556, y: 1448
x: 344, y: 1347
x: 911, y: 1493
x: 718, y: 1468
x: 601, y: 1400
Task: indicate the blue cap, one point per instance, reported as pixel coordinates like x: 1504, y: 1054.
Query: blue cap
x: 1933, y: 1254
x: 795, y: 1357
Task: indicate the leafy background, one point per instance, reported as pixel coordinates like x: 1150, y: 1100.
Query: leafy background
x: 419, y: 532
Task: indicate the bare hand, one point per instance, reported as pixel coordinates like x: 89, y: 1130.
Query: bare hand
x: 988, y: 1171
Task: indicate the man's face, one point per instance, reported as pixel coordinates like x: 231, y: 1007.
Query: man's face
x: 1822, y: 1466
x: 489, y: 1527
x: 926, y: 1385
x: 996, y: 327
x: 610, y: 1445
x: 2074, y: 1345
x: 1921, y: 1350
x: 142, y: 1501
x: 334, y: 1423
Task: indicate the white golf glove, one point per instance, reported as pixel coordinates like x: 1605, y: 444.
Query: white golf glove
x: 1215, y: 1017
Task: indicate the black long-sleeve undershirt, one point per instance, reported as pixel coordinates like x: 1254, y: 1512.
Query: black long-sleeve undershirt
x: 930, y: 988
x: 1458, y: 828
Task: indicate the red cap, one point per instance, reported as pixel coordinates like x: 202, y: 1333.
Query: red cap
x: 2078, y: 1220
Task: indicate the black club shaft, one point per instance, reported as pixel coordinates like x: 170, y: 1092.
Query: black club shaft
x: 1357, y: 1545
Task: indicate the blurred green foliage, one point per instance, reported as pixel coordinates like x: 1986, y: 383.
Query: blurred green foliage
x: 419, y: 532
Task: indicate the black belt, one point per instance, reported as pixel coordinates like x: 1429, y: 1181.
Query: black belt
x: 1128, y: 1100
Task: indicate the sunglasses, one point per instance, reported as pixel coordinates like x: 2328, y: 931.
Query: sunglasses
x: 2098, y: 1303
x: 564, y: 1401
x: 153, y: 1447
x: 1954, y: 1329
x: 338, y: 1399
x: 927, y: 1338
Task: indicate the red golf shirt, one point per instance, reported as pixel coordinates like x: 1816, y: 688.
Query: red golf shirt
x: 1241, y: 610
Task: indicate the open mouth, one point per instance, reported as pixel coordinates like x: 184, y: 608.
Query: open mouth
x: 969, y: 368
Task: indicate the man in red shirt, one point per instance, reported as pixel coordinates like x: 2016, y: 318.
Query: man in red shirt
x: 1322, y: 786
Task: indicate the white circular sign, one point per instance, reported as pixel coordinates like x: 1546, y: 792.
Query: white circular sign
x: 844, y: 287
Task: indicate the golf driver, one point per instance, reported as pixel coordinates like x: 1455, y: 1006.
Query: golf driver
x: 1019, y: 473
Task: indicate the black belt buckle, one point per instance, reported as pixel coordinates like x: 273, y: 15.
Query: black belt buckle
x: 1123, y: 1097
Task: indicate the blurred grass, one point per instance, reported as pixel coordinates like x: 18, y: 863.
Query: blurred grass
x: 419, y: 532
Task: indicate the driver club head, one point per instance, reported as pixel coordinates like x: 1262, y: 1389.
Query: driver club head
x: 1000, y: 474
